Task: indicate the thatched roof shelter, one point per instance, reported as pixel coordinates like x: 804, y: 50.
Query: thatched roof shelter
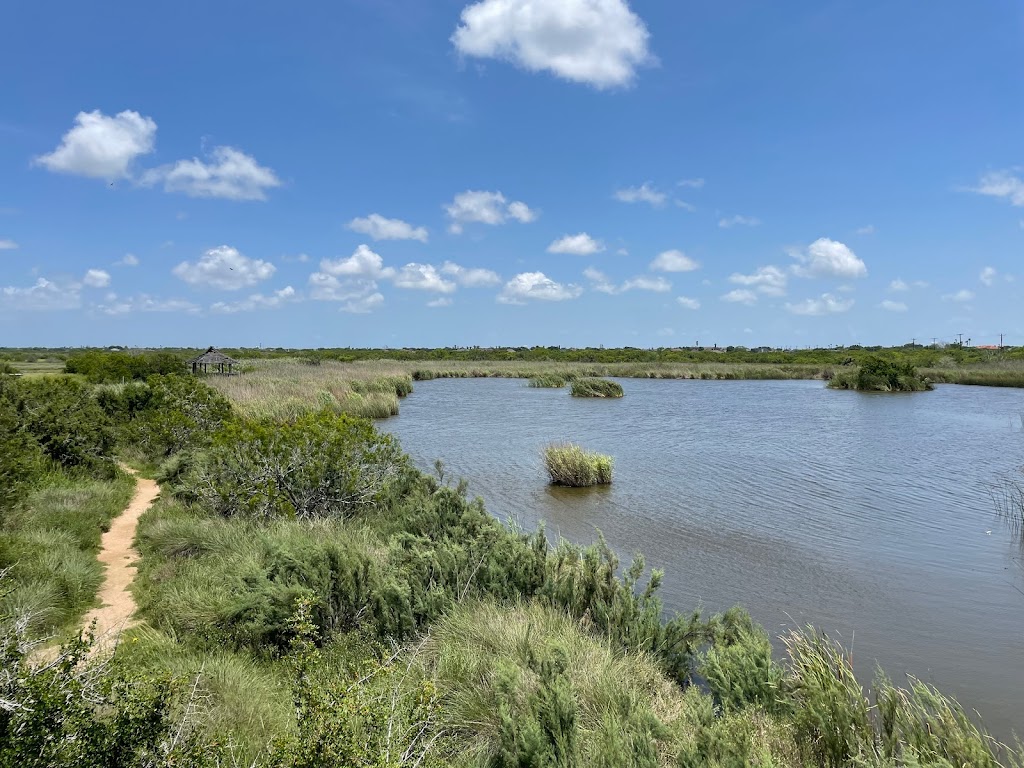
x: 212, y: 360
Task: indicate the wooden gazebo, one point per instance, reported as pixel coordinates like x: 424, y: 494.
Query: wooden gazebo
x: 212, y: 360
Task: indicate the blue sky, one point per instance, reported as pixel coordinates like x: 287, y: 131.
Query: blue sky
x: 574, y: 172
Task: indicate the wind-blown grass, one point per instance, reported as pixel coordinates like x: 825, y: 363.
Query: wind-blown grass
x: 591, y: 387
x: 547, y: 380
x: 571, y: 465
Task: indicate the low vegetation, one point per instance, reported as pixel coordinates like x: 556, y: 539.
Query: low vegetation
x: 878, y: 375
x: 547, y: 380
x: 570, y: 465
x: 591, y: 387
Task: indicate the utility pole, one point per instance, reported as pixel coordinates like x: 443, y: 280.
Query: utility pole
x: 913, y: 343
x: 1000, y: 341
x: 934, y: 340
x: 961, y: 339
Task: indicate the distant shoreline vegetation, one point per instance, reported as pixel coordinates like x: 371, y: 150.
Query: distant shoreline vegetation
x: 879, y: 375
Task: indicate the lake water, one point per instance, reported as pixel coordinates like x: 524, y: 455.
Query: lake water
x: 870, y: 516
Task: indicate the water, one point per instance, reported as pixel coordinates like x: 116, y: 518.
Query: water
x: 870, y: 516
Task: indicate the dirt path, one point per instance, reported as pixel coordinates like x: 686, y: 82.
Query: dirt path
x: 117, y: 606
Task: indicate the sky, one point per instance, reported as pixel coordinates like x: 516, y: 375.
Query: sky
x: 401, y: 173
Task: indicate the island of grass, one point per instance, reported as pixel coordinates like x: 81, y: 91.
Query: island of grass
x: 877, y: 374
x: 548, y: 381
x: 570, y: 465
x: 593, y: 387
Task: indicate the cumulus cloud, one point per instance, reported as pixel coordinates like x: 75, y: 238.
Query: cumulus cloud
x: 596, y: 42
x: 102, y: 147
x: 769, y: 280
x: 230, y: 174
x: 362, y: 305
x: 828, y: 304
x: 674, y: 261
x: 828, y: 258
x: 128, y: 260
x: 225, y: 268
x: 96, y: 278
x: 257, y: 301
x: 988, y: 275
x: 529, y: 286
x: 380, y: 228
x: 143, y: 302
x: 577, y: 245
x: 1005, y: 184
x: 326, y: 287
x: 423, y: 277
x: 738, y: 221
x: 480, y: 207
x: 686, y: 301
x: 645, y: 193
x: 740, y: 296
x: 960, y: 296
x: 42, y: 295
x: 600, y: 282
x: 893, y: 306
x: 8, y: 245
x: 362, y: 263
x: 471, y: 277
x: 899, y: 285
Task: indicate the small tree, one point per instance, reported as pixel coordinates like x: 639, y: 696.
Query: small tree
x: 319, y: 465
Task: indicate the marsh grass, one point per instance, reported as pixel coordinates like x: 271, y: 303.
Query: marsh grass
x: 594, y: 387
x: 570, y: 465
x: 49, y: 546
x: 547, y: 381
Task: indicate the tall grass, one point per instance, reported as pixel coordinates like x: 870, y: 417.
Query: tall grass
x: 547, y: 380
x: 569, y: 464
x: 593, y: 387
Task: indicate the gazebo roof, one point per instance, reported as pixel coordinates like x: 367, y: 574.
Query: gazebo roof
x: 213, y: 356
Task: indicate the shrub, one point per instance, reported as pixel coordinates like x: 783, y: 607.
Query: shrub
x: 99, y: 367
x: 591, y: 387
x: 179, y: 412
x: 21, y: 459
x: 319, y: 465
x: 571, y: 465
x: 738, y: 667
x: 877, y: 374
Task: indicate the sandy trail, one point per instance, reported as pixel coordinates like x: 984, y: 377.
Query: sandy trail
x: 117, y: 606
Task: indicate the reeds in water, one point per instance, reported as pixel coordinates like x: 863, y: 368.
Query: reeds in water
x: 590, y: 387
x: 547, y: 380
x: 570, y: 465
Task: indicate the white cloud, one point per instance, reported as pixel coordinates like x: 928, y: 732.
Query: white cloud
x: 988, y: 275
x: 362, y: 263
x: 600, y: 282
x: 686, y: 301
x: 128, y: 260
x: 893, y: 306
x: 960, y: 296
x: 528, y: 286
x: 8, y: 245
x: 363, y: 305
x: 867, y: 230
x: 471, y: 277
x: 674, y: 261
x: 144, y: 303
x: 102, y: 147
x: 225, y: 268
x: 692, y: 183
x: 325, y: 287
x: 380, y: 228
x: 96, y: 278
x: 898, y: 285
x: 577, y: 245
x: 769, y: 280
x: 828, y: 304
x: 738, y: 221
x: 597, y: 42
x: 480, y: 207
x: 441, y: 301
x: 230, y: 174
x: 43, y: 295
x: 828, y: 258
x: 740, y: 296
x: 688, y: 207
x: 257, y: 301
x: 423, y: 277
x: 1003, y: 184
x: 645, y: 193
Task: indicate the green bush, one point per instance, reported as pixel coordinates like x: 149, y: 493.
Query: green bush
x: 21, y: 459
x: 571, y: 465
x: 168, y: 414
x: 878, y: 374
x: 738, y: 667
x: 101, y: 367
x: 591, y: 387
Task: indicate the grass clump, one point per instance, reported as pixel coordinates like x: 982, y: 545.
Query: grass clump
x: 569, y: 464
x: 547, y: 381
x: 592, y: 387
x: 879, y: 375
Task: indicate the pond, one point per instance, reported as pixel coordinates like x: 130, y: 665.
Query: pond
x: 870, y: 516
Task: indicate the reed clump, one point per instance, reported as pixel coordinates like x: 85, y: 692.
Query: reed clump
x: 548, y: 381
x: 570, y: 465
x: 592, y: 387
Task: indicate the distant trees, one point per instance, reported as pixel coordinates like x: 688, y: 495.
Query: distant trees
x: 100, y: 367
